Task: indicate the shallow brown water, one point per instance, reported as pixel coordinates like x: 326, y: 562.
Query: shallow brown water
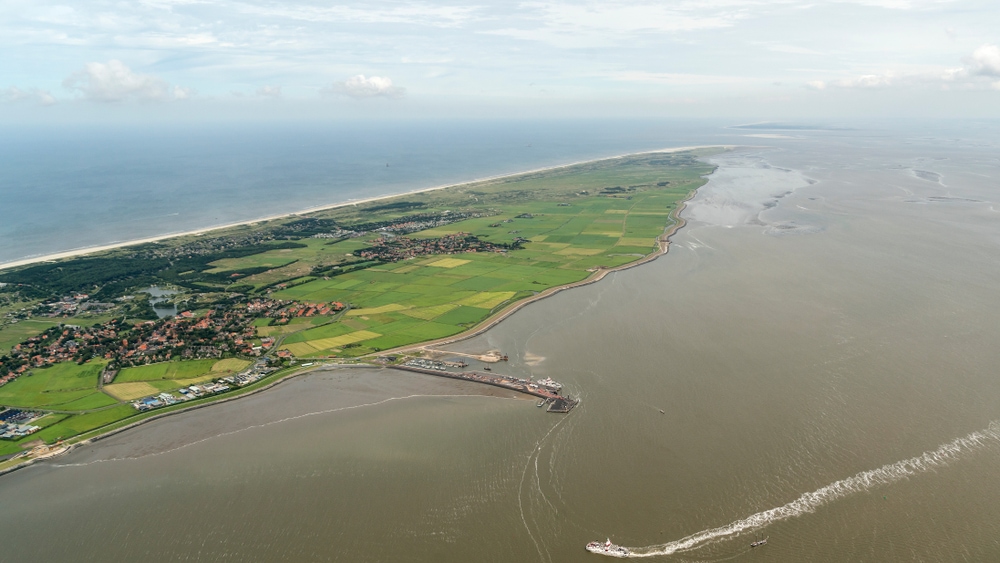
x: 806, y: 354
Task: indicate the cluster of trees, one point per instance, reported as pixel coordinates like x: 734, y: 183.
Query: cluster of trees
x: 113, y: 276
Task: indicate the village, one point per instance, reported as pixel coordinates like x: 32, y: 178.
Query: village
x: 389, y: 248
x: 213, y: 334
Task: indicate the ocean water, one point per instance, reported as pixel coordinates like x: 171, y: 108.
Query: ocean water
x: 821, y: 341
x: 71, y: 188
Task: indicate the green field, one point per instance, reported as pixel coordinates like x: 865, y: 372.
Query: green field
x: 297, y: 324
x: 14, y: 334
x: 165, y: 370
x: 64, y: 386
x: 573, y: 227
x: 180, y: 370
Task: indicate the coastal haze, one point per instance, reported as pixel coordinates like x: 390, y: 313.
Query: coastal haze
x: 813, y: 361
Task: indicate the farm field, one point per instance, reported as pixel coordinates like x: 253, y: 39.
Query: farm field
x: 263, y: 328
x: 180, y: 372
x: 64, y: 386
x: 578, y: 221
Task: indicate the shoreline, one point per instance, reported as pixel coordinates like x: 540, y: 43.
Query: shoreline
x: 662, y: 248
x: 69, y: 447
x: 195, y: 232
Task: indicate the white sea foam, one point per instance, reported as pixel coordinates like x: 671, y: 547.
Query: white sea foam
x: 809, y: 502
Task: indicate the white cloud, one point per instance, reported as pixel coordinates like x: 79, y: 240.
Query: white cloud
x: 679, y: 79
x: 985, y: 61
x: 365, y: 87
x: 266, y: 91
x: 897, y: 4
x: 866, y: 81
x: 981, y: 67
x: 791, y: 49
x: 15, y: 94
x: 181, y: 93
x: 115, y: 82
x: 593, y: 24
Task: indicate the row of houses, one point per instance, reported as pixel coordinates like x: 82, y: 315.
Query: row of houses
x: 253, y: 374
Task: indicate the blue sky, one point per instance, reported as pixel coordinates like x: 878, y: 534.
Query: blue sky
x: 300, y: 58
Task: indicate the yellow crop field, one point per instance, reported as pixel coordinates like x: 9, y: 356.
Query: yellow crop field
x: 129, y: 391
x: 300, y: 348
x: 349, y: 338
x: 449, y: 263
x: 391, y: 307
x: 487, y: 299
x: 429, y: 313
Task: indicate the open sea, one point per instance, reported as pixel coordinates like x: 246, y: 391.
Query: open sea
x: 70, y: 188
x: 821, y: 340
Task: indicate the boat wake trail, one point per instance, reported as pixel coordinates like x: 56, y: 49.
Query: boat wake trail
x: 809, y: 502
x: 543, y: 551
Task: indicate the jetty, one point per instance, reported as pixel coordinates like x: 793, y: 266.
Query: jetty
x: 550, y: 394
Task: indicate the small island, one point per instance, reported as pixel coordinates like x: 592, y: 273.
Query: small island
x: 95, y: 343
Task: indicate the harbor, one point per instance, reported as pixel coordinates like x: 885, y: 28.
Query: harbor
x: 547, y: 390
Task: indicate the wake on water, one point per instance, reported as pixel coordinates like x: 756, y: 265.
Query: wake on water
x: 809, y: 502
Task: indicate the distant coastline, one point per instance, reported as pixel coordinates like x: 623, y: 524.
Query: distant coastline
x: 195, y: 232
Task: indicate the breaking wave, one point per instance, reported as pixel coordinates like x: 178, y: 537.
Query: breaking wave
x: 809, y: 502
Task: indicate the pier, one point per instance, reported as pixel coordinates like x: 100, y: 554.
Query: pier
x: 557, y: 403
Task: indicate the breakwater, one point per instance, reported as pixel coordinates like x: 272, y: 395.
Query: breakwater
x: 557, y: 403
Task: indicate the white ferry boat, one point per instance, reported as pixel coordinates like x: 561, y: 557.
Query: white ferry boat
x: 550, y: 384
x: 608, y: 548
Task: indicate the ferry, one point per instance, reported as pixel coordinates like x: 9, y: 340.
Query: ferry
x: 550, y: 384
x: 608, y: 548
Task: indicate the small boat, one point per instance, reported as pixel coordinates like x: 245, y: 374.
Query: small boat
x: 608, y: 548
x: 760, y: 542
x: 487, y: 368
x: 661, y: 411
x: 540, y: 403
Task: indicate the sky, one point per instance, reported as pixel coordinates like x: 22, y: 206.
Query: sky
x: 277, y: 59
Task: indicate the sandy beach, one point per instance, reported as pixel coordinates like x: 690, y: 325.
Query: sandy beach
x: 93, y: 249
